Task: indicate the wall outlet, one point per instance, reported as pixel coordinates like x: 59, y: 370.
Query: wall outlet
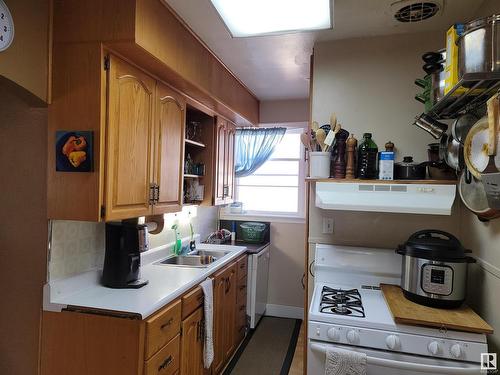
x: 327, y: 225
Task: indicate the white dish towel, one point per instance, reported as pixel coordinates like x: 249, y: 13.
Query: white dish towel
x: 208, y: 348
x: 344, y: 362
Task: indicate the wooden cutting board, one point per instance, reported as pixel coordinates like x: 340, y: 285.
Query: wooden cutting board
x: 408, y: 312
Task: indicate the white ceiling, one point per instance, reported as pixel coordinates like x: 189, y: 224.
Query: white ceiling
x: 277, y: 67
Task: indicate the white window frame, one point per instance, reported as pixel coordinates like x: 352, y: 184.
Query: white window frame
x: 296, y: 128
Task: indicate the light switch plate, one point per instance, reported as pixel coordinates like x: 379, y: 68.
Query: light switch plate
x: 327, y: 225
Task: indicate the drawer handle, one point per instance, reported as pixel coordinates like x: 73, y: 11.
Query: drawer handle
x: 243, y: 287
x: 170, y: 321
x: 242, y: 307
x: 242, y: 265
x: 165, y: 363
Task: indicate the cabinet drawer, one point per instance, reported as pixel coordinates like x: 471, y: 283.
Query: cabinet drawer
x: 191, y: 301
x: 162, y: 327
x: 241, y: 291
x: 166, y: 361
x: 242, y: 265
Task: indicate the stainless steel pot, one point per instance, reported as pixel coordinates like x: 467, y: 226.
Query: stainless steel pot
x: 435, y: 63
x: 451, y: 151
x: 479, y: 46
x: 434, y: 269
x: 408, y: 170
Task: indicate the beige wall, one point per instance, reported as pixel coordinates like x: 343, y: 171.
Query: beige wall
x: 369, y: 84
x: 23, y: 231
x: 280, y: 111
x: 26, y: 61
x: 286, y: 265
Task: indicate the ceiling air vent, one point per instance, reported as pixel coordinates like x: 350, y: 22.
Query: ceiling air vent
x: 415, y: 11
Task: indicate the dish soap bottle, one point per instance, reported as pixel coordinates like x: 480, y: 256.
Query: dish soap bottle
x: 367, y: 158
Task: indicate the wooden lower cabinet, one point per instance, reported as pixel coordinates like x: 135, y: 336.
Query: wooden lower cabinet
x: 192, y: 344
x: 229, y: 316
x: 170, y: 342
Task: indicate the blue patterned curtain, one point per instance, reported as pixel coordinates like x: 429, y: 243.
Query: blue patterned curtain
x: 254, y: 147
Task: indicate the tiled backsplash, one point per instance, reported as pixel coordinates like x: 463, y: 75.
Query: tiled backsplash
x: 78, y: 246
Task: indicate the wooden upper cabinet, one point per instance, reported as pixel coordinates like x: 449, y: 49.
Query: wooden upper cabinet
x: 192, y: 343
x: 224, y: 162
x: 129, y: 141
x: 150, y: 34
x: 169, y: 137
x: 229, y: 173
x: 220, y: 162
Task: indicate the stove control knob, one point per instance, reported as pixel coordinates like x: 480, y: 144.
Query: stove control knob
x: 456, y: 351
x: 333, y: 334
x: 392, y: 342
x: 352, y: 337
x: 434, y: 348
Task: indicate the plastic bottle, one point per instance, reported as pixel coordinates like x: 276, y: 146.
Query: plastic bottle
x: 367, y: 158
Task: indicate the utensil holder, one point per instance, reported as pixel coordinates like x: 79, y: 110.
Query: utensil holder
x: 319, y: 164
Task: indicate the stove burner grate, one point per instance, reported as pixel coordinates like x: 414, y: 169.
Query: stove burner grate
x: 341, y: 302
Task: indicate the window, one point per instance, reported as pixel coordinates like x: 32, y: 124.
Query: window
x: 277, y: 188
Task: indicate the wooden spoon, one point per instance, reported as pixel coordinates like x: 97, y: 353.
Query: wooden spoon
x: 306, y: 141
x: 333, y: 121
x: 320, y: 138
x: 315, y: 126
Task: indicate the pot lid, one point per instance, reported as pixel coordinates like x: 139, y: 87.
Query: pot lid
x: 434, y: 244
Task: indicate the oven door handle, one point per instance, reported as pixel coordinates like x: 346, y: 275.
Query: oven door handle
x: 409, y: 365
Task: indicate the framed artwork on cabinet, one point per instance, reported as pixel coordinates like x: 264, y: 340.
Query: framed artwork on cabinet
x: 74, y: 151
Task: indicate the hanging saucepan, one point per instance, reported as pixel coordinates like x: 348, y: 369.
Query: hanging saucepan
x: 451, y: 151
x: 476, y: 148
x: 473, y: 195
x: 462, y: 126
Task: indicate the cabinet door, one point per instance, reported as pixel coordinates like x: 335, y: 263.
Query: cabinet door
x: 220, y: 286
x: 169, y: 153
x: 229, y: 162
x: 230, y: 313
x: 220, y: 162
x: 192, y: 344
x: 129, y: 138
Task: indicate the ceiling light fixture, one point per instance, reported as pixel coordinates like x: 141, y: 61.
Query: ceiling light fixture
x: 245, y: 18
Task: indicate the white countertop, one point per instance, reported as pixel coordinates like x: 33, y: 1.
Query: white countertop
x: 166, y: 283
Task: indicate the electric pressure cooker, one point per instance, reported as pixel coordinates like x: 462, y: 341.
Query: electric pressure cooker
x: 434, y: 269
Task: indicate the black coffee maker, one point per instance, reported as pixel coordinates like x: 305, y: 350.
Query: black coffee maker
x: 122, y: 262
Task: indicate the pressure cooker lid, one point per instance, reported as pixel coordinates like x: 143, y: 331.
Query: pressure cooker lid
x: 435, y: 245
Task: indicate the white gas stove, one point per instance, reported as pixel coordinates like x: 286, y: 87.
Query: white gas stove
x: 348, y: 310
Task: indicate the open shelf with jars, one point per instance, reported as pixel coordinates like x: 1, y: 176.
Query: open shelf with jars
x: 198, y: 156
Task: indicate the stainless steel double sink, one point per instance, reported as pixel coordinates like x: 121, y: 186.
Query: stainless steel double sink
x: 195, y: 258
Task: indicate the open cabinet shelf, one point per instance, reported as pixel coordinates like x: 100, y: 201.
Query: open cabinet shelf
x: 200, y: 151
x: 189, y: 142
x: 393, y: 182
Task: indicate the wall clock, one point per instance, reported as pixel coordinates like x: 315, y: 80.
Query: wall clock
x: 6, y: 27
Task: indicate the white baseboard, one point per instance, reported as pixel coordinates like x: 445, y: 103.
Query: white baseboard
x: 283, y: 311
